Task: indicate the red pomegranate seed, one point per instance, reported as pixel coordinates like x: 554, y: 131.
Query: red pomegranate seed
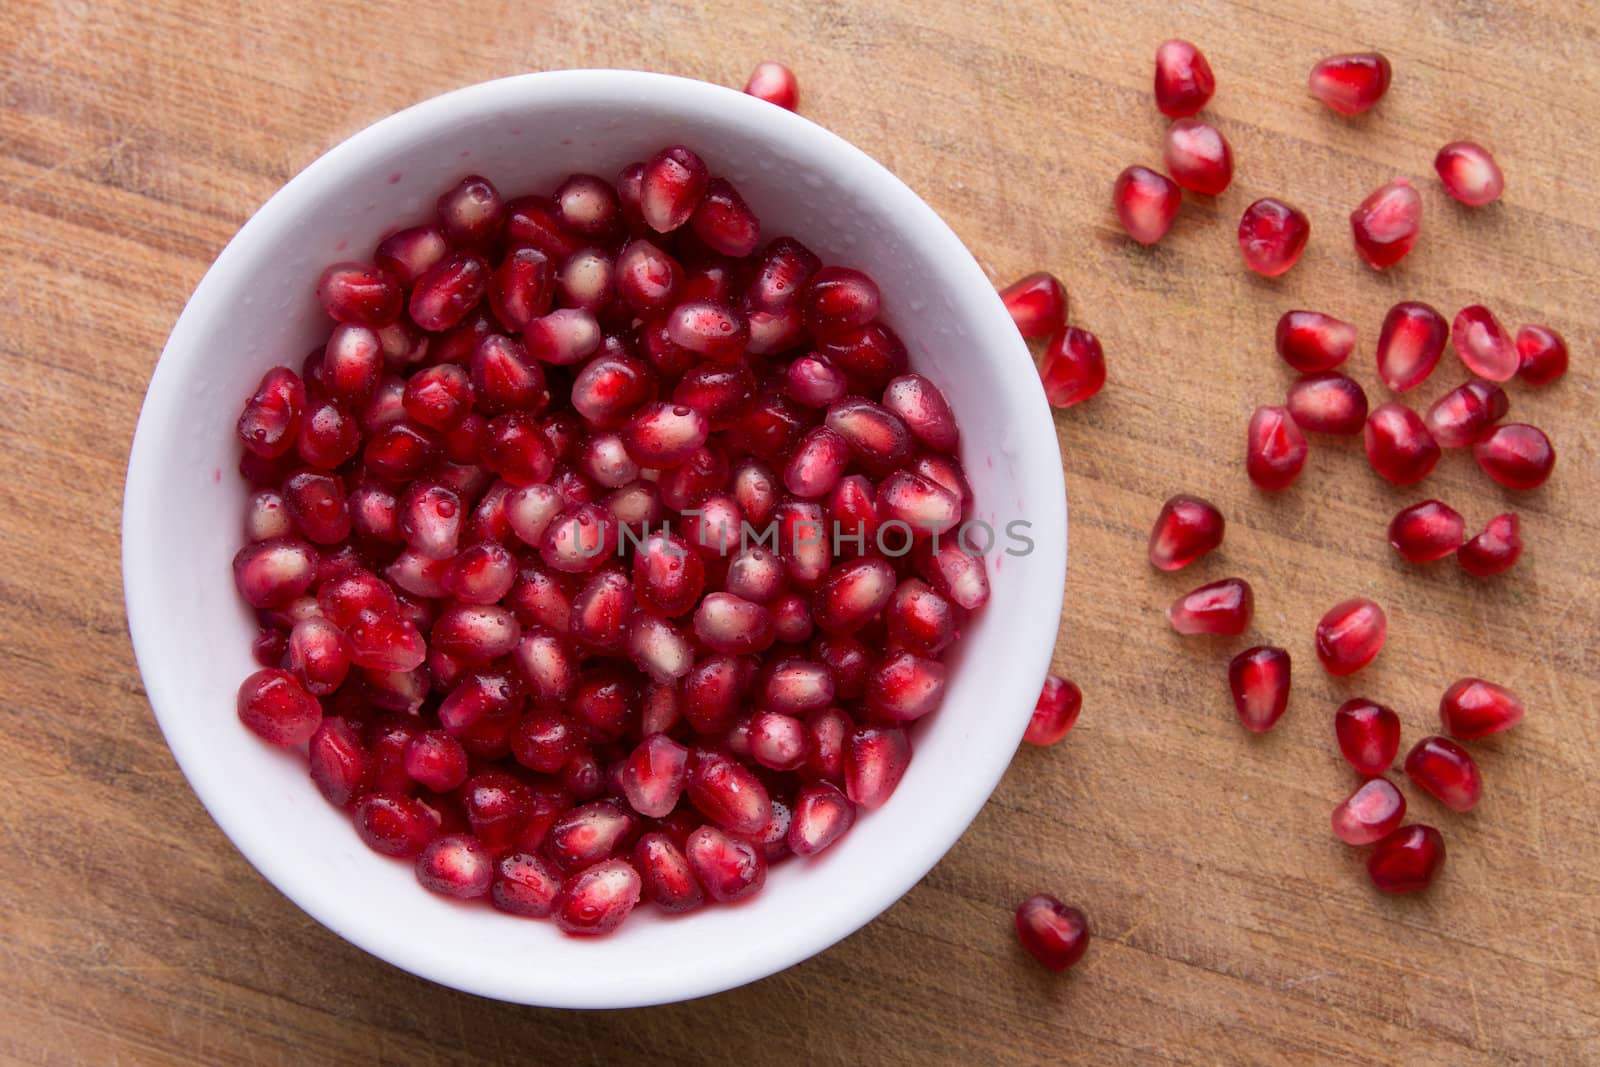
x: 430, y: 520
x: 339, y: 761
x: 1368, y: 734
x: 920, y: 620
x: 587, y: 280
x: 671, y: 187
x: 1407, y: 860
x: 709, y: 328
x: 456, y: 865
x: 796, y: 686
x: 822, y: 815
x: 733, y: 625
x: 1516, y: 455
x: 1053, y: 933
x: 410, y: 253
x: 953, y: 572
x: 271, y: 418
x: 729, y: 868
x: 1055, y: 712
x: 1350, y: 634
x: 1469, y: 173
x: 579, y: 539
x: 875, y: 759
x: 1184, y: 81
x: 1445, y: 770
x: 851, y: 594
x: 774, y: 83
x: 1276, y: 449
x: 438, y: 397
x: 905, y: 687
x: 1310, y: 341
x: 727, y: 793
x: 827, y: 733
x: 1483, y: 344
x: 317, y: 656
x: 563, y: 337
x: 524, y: 884
x: 436, y: 760
x: 588, y: 834
x: 1073, y: 368
x: 328, y: 435
x: 1259, y: 679
x: 277, y: 708
x: 1427, y: 531
x: 1385, y: 225
x: 472, y: 211
x: 316, y: 503
x: 595, y: 900
x: 1465, y: 414
x: 1373, y: 812
x: 791, y: 618
x: 818, y: 463
x: 1495, y: 550
x: 662, y: 435
x: 267, y: 517
x: 1186, y: 528
x: 667, y: 576
x: 1351, y: 84
x: 1038, y: 304
x: 1221, y: 607
x: 395, y: 825
x: 448, y: 292
x: 1272, y: 235
x: 481, y: 574
x: 1330, y: 403
x: 587, y: 206
x: 1472, y: 708
x: 1542, y: 355
x: 724, y: 222
x: 385, y: 643
x: 839, y: 299
x: 923, y: 409
x: 1198, y: 157
x: 669, y: 881
x: 1146, y: 203
x: 1398, y: 444
x: 360, y: 294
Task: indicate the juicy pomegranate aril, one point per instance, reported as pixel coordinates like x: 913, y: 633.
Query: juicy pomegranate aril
x: 774, y: 83
x: 1259, y: 680
x: 1055, y: 712
x: 1221, y: 607
x: 1469, y: 173
x: 1186, y: 528
x: 1516, y: 455
x: 1443, y: 768
x: 1427, y: 531
x: 1398, y: 444
x: 1407, y: 861
x: 1495, y: 550
x: 1310, y: 341
x: 1409, y: 345
x: 1330, y: 402
x: 1350, y: 635
x: 1483, y: 345
x: 1464, y: 415
x: 1073, y: 368
x: 1146, y: 203
x: 1198, y: 157
x: 1272, y: 235
x: 1472, y: 708
x: 1275, y: 450
x: 1368, y: 735
x: 1351, y: 83
x: 1385, y: 225
x: 1038, y: 304
x: 1183, y: 81
x: 1054, y: 933
x: 1542, y: 355
x: 1371, y: 813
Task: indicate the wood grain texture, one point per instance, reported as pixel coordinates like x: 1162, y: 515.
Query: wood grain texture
x: 135, y: 137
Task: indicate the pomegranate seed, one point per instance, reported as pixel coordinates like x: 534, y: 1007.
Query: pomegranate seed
x: 1542, y: 355
x: 395, y: 825
x: 756, y: 573
x: 1351, y: 84
x: 669, y: 881
x: 1055, y: 712
x: 727, y: 793
x: 778, y: 741
x: 438, y: 397
x: 595, y: 900
x: 339, y: 761
x: 497, y: 808
x: 1276, y: 449
x: 456, y: 865
x: 1310, y: 341
x: 587, y: 206
x: 1146, y: 203
x: 1038, y: 304
x: 410, y: 253
x: 272, y: 574
x: 417, y: 574
x: 272, y: 416
x: 724, y: 222
x: 1407, y: 860
x: 796, y: 686
x: 1369, y: 735
x: 563, y: 337
x: 317, y: 656
x: 1198, y: 157
x: 1350, y: 634
x: 1073, y: 368
x: 818, y: 463
x: 920, y: 620
x: 1472, y: 708
x: 359, y: 294
x: 920, y: 405
x: 586, y: 280
x: 729, y: 868
x: 267, y: 517
x: 1272, y: 235
x: 545, y: 740
x: 1443, y: 768
x: 1483, y: 344
x: 667, y: 576
x: 504, y: 378
x: 316, y: 503
x: 1385, y: 225
x: 1259, y: 679
x: 474, y: 633
x: 1373, y: 812
x: 1495, y: 550
x: 1465, y: 414
x: 875, y: 759
x: 579, y: 539
x: 853, y: 593
x: 1469, y: 173
x: 791, y: 618
x: 1516, y: 455
x: 1330, y: 403
x: 733, y: 625
x: 436, y: 760
x: 1398, y: 444
x: 774, y: 83
x: 839, y: 299
x: 870, y: 355
x: 1221, y: 607
x: 1053, y: 933
x: 430, y: 520
x: 1184, y: 81
x: 524, y: 885
x: 671, y: 188
x: 822, y: 815
x: 1427, y: 531
x: 905, y: 687
x: 588, y: 834
x: 448, y: 292
x: 472, y: 211
x: 1186, y: 528
x: 827, y: 733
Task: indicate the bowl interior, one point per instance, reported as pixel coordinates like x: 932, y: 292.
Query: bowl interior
x: 256, y: 308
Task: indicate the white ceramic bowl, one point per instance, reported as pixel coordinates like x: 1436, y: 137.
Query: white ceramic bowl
x: 256, y: 308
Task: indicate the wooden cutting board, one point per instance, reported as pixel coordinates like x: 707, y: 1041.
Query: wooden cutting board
x: 135, y: 137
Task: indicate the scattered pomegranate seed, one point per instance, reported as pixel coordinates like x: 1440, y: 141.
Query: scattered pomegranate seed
x: 1407, y: 860
x: 1183, y: 81
x: 1272, y: 235
x: 1542, y: 354
x: 1351, y: 84
x: 1373, y: 812
x: 1495, y: 550
x: 1259, y: 679
x: 1469, y: 173
x: 1146, y: 203
x: 1443, y: 768
x: 774, y: 83
x: 1427, y: 531
x: 1310, y: 341
x: 1073, y: 368
x: 1483, y: 344
x: 1465, y: 415
x: 1329, y: 402
x: 1198, y: 157
x: 1221, y: 607
x: 1275, y: 450
x: 1368, y: 734
x: 1350, y: 635
x: 1398, y: 444
x: 1472, y: 708
x: 1385, y: 225
x: 1186, y: 528
x: 1053, y: 933
x: 1038, y: 304
x: 1516, y: 455
x: 1055, y: 712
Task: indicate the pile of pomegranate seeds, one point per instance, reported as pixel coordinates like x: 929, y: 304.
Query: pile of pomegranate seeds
x: 568, y: 548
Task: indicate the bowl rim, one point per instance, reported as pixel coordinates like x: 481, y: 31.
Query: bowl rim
x: 1035, y: 630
